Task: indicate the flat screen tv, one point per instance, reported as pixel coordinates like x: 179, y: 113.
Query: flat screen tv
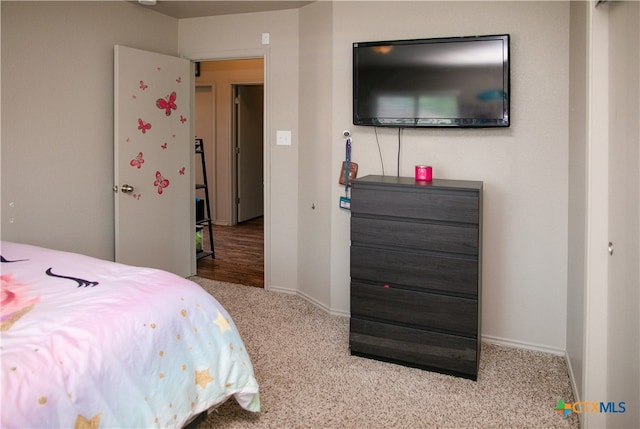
x: 442, y: 82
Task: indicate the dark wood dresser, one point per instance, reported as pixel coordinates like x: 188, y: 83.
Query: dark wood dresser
x: 416, y: 252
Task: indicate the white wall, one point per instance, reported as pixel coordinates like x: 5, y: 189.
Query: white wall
x: 67, y: 152
x: 524, y: 168
x: 57, y: 117
x: 317, y: 178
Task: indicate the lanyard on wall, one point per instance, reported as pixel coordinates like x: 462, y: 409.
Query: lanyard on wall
x: 347, y: 166
x: 345, y: 202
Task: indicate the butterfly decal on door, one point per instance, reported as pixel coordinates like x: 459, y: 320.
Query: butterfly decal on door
x: 143, y: 126
x: 160, y: 182
x: 168, y: 103
x: 137, y: 161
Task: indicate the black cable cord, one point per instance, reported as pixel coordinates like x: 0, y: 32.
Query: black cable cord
x: 399, y: 129
x: 379, y: 150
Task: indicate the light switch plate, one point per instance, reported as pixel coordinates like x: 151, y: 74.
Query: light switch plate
x: 265, y: 38
x: 283, y: 138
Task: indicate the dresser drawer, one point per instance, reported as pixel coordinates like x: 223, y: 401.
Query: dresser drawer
x: 433, y: 204
x: 407, y: 307
x: 424, y: 236
x: 414, y: 347
x: 429, y: 272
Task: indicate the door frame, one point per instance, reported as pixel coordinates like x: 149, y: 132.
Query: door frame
x: 247, y: 54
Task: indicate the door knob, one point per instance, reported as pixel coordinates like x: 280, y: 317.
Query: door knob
x: 126, y: 188
x: 610, y: 248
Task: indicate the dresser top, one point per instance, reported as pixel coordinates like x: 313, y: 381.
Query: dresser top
x: 410, y: 181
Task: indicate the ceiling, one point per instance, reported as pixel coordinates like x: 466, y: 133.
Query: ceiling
x: 194, y: 9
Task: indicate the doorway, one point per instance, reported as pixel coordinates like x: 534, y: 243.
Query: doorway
x: 234, y: 167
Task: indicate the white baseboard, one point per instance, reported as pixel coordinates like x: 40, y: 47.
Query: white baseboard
x: 576, y: 392
x: 308, y: 299
x: 314, y: 302
x: 281, y: 290
x: 523, y: 345
x: 485, y: 338
x: 572, y: 378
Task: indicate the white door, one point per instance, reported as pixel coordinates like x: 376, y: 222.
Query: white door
x: 611, y: 342
x: 153, y: 154
x: 623, y: 339
x: 249, y: 150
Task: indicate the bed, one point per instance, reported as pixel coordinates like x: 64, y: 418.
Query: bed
x: 87, y: 343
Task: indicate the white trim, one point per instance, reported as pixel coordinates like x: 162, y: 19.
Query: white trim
x: 574, y: 387
x: 572, y: 379
x: 489, y: 339
x: 524, y: 345
x: 309, y: 299
x: 237, y: 54
x: 286, y: 291
x: 322, y: 306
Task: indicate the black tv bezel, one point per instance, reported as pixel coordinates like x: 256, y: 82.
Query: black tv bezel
x: 505, y: 122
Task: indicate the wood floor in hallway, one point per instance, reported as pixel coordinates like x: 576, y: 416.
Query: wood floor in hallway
x: 239, y: 254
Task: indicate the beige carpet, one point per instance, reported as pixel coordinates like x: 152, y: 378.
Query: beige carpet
x: 308, y: 379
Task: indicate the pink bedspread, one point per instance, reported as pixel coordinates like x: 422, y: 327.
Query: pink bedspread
x: 91, y: 343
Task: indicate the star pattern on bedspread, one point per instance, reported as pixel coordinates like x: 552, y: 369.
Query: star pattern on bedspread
x: 8, y: 323
x: 182, y: 337
x: 222, y: 323
x: 83, y: 423
x: 203, y: 378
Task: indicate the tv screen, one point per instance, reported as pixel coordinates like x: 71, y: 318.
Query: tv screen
x: 443, y: 82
